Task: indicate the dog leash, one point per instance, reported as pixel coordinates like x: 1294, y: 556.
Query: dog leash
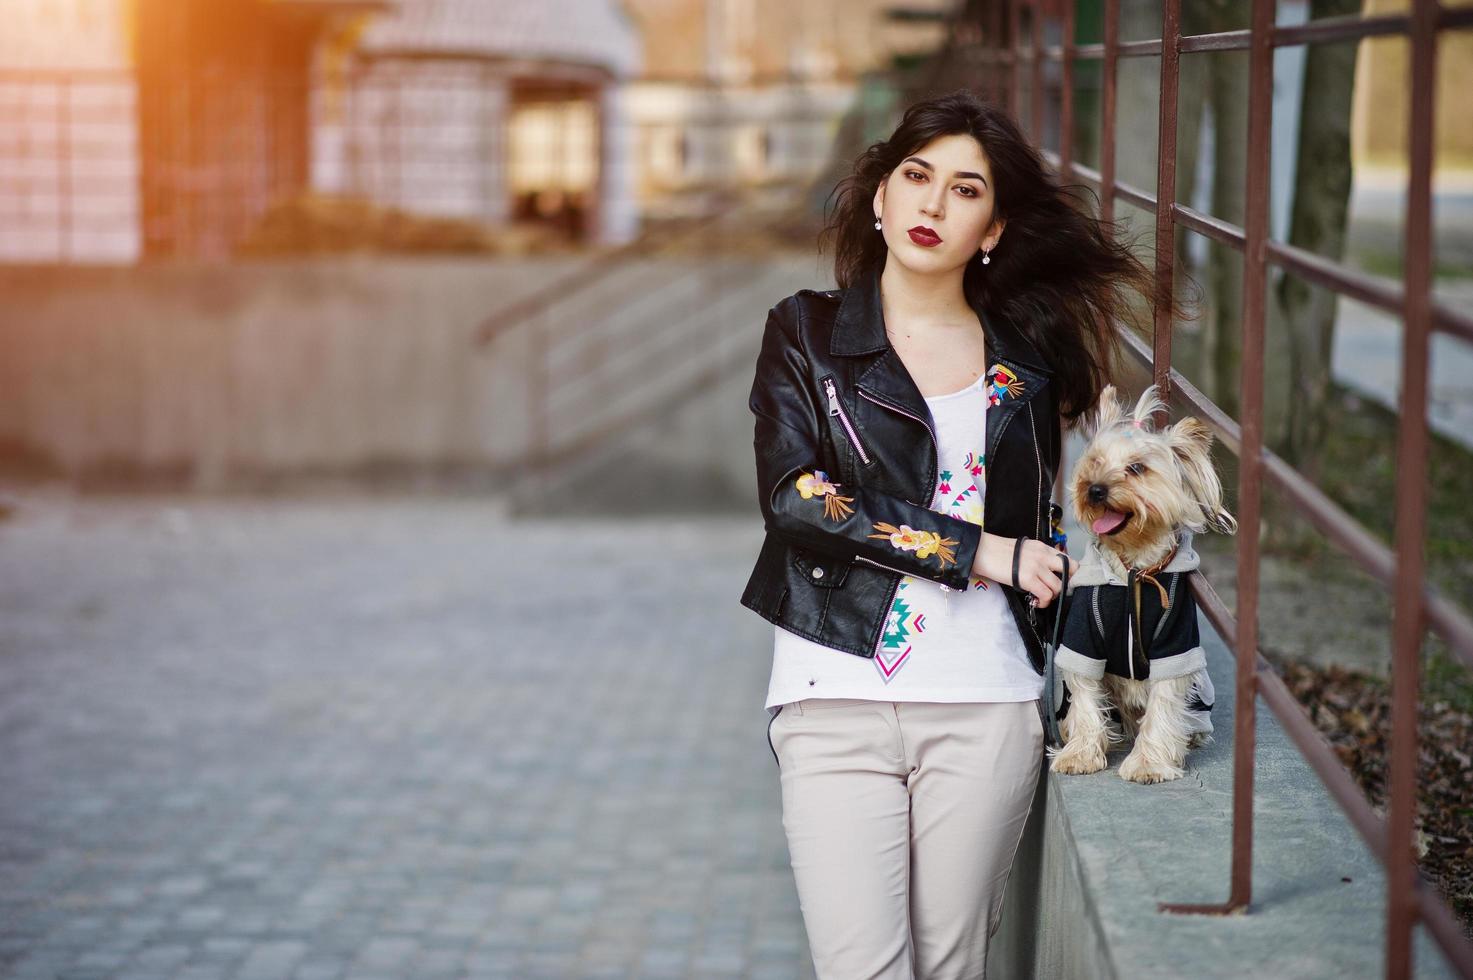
x: 1060, y: 541
x: 1050, y: 678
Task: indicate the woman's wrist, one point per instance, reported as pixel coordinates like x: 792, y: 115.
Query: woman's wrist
x: 1039, y: 568
x: 995, y: 558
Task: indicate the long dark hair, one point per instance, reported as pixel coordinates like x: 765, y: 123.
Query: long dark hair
x: 1058, y: 273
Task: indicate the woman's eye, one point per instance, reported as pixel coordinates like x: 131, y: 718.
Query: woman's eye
x: 1136, y: 469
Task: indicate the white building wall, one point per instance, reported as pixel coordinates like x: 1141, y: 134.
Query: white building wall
x: 69, y: 155
x: 428, y: 137
x: 618, y: 209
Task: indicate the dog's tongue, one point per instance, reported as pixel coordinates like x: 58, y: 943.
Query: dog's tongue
x: 1107, y: 522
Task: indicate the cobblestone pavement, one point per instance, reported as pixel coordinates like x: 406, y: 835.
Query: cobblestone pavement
x: 347, y: 736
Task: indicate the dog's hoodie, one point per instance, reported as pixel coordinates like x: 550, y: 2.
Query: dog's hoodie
x: 1100, y: 635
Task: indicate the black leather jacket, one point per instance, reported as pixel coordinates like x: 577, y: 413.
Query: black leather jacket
x: 846, y: 461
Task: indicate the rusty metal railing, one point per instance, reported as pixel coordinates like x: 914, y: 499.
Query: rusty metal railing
x: 1014, y: 33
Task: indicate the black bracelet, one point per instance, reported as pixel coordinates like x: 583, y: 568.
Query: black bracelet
x: 1017, y: 557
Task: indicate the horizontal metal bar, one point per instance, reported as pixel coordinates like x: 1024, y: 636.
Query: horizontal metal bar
x: 1378, y: 560
x: 1140, y: 197
x: 1219, y: 41
x: 1452, y: 321
x: 1075, y: 168
x: 1320, y: 31
x: 1206, y: 224
x: 1348, y: 28
x: 1321, y: 271
x: 1227, y: 430
x: 1216, y: 611
x: 1333, y: 275
x: 1352, y: 28
x: 1089, y: 174
x: 1386, y: 296
x: 1139, y: 49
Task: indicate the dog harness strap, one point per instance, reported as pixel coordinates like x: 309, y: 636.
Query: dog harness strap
x: 1148, y: 577
x: 1149, y: 574
x: 1140, y: 667
x: 1017, y: 557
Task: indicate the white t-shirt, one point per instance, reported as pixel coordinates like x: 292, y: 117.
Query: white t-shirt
x: 936, y: 645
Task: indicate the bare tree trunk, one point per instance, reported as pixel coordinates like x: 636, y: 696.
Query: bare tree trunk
x: 1229, y: 197
x: 1297, y: 384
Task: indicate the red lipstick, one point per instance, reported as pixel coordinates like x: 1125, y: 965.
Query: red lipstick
x: 924, y: 236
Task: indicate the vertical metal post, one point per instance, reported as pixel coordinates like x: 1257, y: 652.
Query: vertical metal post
x: 1066, y: 93
x: 1165, y: 197
x: 1066, y: 171
x: 1015, y: 74
x: 1107, y: 110
x: 1035, y: 98
x: 1411, y: 500
x: 1255, y: 285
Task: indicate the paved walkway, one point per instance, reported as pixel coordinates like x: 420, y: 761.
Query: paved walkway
x: 348, y: 737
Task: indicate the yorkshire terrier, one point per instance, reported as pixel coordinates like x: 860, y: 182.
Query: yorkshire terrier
x: 1130, y: 631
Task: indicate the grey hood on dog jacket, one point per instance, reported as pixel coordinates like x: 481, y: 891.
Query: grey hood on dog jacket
x: 1103, y: 634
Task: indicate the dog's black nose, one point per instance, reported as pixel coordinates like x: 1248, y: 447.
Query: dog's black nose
x: 1098, y: 492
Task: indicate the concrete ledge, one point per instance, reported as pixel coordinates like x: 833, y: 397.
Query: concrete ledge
x: 1099, y: 853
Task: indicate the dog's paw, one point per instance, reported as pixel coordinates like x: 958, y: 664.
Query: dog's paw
x: 1136, y: 769
x: 1078, y: 759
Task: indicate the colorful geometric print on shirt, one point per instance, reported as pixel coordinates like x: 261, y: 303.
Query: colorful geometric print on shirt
x: 959, y: 493
x: 963, y: 496
x: 902, y: 623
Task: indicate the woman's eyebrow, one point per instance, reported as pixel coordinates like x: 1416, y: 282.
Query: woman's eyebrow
x: 959, y: 173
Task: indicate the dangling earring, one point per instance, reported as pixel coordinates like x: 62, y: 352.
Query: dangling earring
x: 877, y: 223
x: 985, y: 257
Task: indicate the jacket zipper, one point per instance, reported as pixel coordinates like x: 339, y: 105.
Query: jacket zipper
x: 936, y: 456
x: 935, y: 447
x: 1032, y: 613
x: 837, y: 410
x: 1033, y: 433
x: 1037, y: 455
x: 936, y: 463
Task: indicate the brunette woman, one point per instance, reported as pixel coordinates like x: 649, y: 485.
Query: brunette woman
x: 896, y: 417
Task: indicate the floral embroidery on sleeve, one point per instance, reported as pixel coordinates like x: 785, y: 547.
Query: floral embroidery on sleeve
x: 817, y: 484
x: 923, y: 543
x: 1000, y: 382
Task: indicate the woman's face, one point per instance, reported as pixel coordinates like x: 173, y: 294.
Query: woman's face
x: 937, y: 205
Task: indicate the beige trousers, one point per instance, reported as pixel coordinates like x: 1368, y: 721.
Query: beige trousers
x: 902, y: 819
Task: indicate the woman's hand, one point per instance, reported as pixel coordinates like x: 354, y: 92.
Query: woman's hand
x: 1040, y: 567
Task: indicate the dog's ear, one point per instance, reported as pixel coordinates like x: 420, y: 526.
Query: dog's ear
x: 1191, y: 434
x: 1146, y: 406
x: 1108, y: 411
x: 1191, y: 444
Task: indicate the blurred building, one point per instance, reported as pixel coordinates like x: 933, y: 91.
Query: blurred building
x: 491, y: 110
x: 153, y: 127
x: 140, y: 128
x: 749, y: 93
